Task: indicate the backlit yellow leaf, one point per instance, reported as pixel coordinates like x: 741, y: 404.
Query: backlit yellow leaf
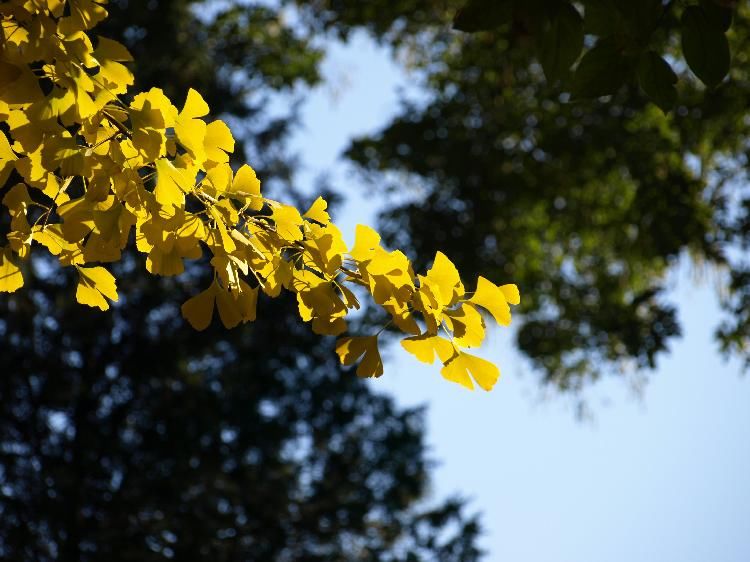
x: 444, y: 277
x: 150, y: 114
x: 199, y: 310
x: 317, y: 212
x: 111, y: 50
x: 189, y: 128
x: 351, y: 349
x: 11, y: 278
x: 288, y: 222
x: 18, y: 85
x: 325, y: 248
x: 51, y: 237
x: 7, y: 159
x: 171, y: 184
x: 84, y: 14
x: 459, y: 368
x: 328, y: 325
x: 511, y: 294
x: 94, y: 284
x: 228, y: 311
x: 366, y: 241
x: 246, y: 187
x: 425, y: 346
x: 466, y: 324
x: 247, y: 301
x: 490, y: 297
x: 218, y: 142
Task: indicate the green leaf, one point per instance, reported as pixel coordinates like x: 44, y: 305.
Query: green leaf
x: 560, y: 44
x: 721, y: 16
x: 601, y: 72
x: 641, y: 17
x: 600, y: 17
x: 657, y: 79
x: 705, y: 46
x: 482, y: 15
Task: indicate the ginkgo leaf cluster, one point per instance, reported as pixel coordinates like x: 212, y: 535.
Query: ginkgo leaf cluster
x: 99, y: 166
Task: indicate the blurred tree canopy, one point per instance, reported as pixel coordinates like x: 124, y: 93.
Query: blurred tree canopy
x: 130, y: 436
x: 588, y: 201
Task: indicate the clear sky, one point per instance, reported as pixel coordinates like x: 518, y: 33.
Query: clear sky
x: 655, y: 475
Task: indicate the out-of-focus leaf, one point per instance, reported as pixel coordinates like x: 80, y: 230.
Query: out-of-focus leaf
x: 601, y: 72
x: 705, y: 46
x: 718, y: 13
x: 658, y: 80
x: 561, y: 43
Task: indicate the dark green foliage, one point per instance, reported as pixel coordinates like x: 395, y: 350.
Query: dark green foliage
x: 601, y: 72
x: 704, y: 45
x: 561, y: 41
x: 621, y: 32
x: 657, y: 79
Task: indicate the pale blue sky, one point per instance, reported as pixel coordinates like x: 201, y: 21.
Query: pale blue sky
x: 660, y: 475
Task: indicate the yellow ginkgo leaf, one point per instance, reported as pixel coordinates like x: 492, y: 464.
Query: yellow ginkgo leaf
x: 366, y: 243
x: 228, y: 268
x: 114, y: 223
x: 424, y: 347
x: 17, y: 199
x: 229, y: 312
x: 150, y: 114
x: 171, y: 185
x: 84, y: 14
x: 325, y: 248
x: 402, y: 317
x: 94, y: 284
x: 351, y: 349
x: 276, y: 273
x: 512, y: 295
x: 18, y: 85
x: 317, y: 212
x: 349, y: 298
x: 445, y: 280
x: 189, y: 128
x: 247, y: 301
x: 11, y: 278
x: 466, y: 324
x: 51, y: 237
x: 78, y: 218
x: 315, y: 296
x: 490, y: 297
x: 246, y: 187
x: 115, y: 76
x: 391, y: 276
x: 288, y: 222
x: 112, y: 50
x: 461, y: 365
x: 218, y: 143
x: 7, y: 159
x: 234, y: 307
x: 328, y: 325
x: 199, y: 310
